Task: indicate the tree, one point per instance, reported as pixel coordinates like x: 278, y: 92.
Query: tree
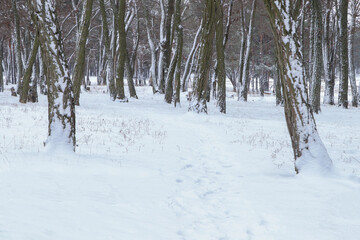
x: 309, y: 151
x: 122, y: 52
x: 109, y: 53
x: 1, y: 65
x: 165, y: 45
x: 329, y: 52
x: 61, y: 109
x: 199, y: 98
x: 354, y: 12
x: 344, y: 61
x: 19, y: 60
x: 220, y: 63
x: 79, y: 68
x: 28, y: 71
x: 245, y: 58
x: 175, y: 65
x: 317, y: 62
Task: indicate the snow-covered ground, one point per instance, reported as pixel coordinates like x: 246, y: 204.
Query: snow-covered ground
x: 145, y: 170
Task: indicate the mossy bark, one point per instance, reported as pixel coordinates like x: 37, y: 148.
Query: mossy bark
x: 28, y: 71
x: 79, y: 68
x: 199, y: 98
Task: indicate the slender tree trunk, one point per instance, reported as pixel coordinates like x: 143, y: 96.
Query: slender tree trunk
x: 245, y: 75
x: 153, y: 79
x: 220, y: 66
x: 242, y: 48
x: 29, y: 70
x: 19, y: 61
x: 178, y: 65
x: 1, y: 65
x: 344, y: 61
x: 122, y: 52
x: 309, y: 151
x: 318, y: 57
x: 328, y: 52
x: 60, y: 95
x: 79, y: 68
x: 352, y: 73
x: 107, y: 44
x: 190, y: 58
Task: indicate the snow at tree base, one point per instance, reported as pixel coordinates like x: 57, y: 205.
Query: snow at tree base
x: 144, y: 170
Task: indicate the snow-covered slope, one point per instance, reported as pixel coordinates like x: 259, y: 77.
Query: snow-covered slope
x: 144, y: 170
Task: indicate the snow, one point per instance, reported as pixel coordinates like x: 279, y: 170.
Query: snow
x: 147, y: 170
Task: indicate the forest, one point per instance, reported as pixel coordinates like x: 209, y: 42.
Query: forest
x: 179, y: 119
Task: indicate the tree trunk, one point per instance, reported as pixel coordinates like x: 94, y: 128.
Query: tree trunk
x: 328, y: 56
x: 317, y: 64
x: 107, y: 44
x: 122, y: 52
x: 189, y: 60
x: 79, y: 68
x: 245, y: 80
x: 199, y: 98
x: 28, y: 71
x: 309, y: 152
x: 352, y: 73
x: 178, y: 65
x: 174, y: 62
x: 19, y: 61
x: 344, y: 61
x: 1, y: 65
x: 220, y: 66
x: 60, y: 95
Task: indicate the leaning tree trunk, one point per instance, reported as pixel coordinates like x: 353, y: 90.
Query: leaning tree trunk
x: 79, y: 68
x: 19, y: 61
x: 220, y: 67
x: 309, y: 151
x: 28, y: 71
x: 199, y: 98
x: 317, y: 63
x: 60, y: 95
x: 344, y: 61
x: 188, y: 68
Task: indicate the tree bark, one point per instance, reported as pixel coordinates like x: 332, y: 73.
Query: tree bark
x: 107, y: 44
x: 199, y: 98
x: 220, y: 66
x: 352, y: 74
x: 122, y: 52
x: 344, y: 61
x: 317, y: 64
x: 245, y: 80
x: 61, y: 106
x: 28, y: 71
x: 79, y: 68
x: 309, y: 152
x: 19, y: 61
